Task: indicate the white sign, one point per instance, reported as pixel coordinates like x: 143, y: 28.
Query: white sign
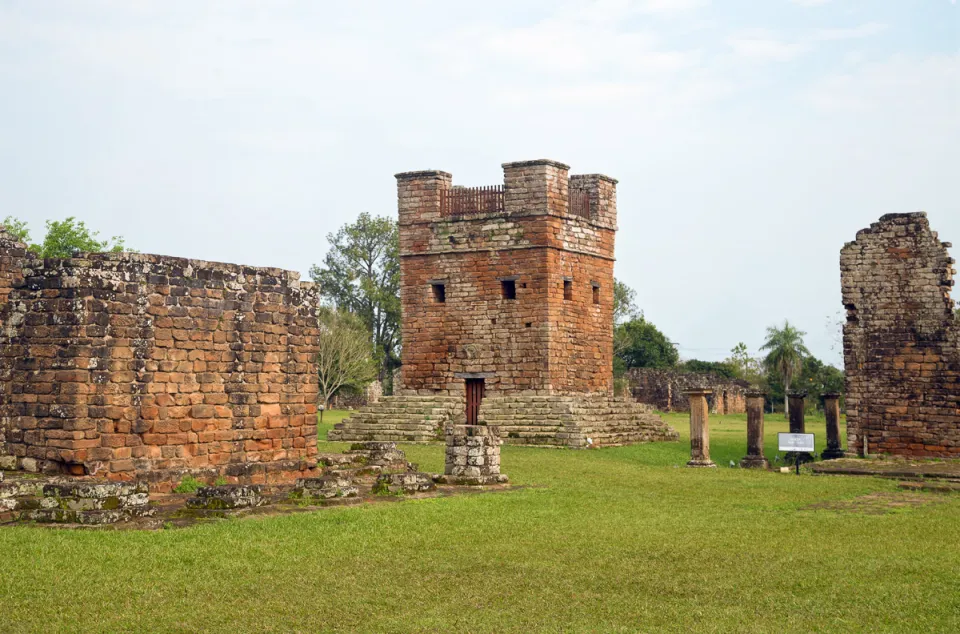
x: 795, y: 442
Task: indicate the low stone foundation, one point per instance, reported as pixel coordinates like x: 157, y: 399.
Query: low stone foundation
x: 226, y: 498
x: 318, y: 490
x: 565, y: 421
x: 403, y: 483
x: 71, y: 501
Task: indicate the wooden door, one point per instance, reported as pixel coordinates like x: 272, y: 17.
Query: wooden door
x: 475, y: 390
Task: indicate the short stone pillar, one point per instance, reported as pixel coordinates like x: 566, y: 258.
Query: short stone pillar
x: 831, y: 406
x: 755, y: 458
x: 472, y: 455
x: 797, y: 426
x: 699, y: 429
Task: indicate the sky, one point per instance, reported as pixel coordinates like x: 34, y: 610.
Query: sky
x: 751, y: 140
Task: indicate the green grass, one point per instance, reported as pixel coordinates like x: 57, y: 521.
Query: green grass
x: 609, y: 540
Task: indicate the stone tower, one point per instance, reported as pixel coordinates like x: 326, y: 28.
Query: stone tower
x: 512, y: 284
x: 507, y: 298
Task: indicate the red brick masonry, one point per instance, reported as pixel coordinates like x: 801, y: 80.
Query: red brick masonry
x: 130, y: 365
x: 901, y: 341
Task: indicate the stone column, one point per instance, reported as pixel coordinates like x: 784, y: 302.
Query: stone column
x: 797, y: 425
x: 699, y: 429
x: 755, y: 458
x: 831, y: 406
x: 472, y: 456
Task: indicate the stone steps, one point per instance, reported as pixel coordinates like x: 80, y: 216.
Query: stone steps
x: 398, y: 419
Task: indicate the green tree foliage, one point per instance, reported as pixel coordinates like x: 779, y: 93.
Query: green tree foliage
x: 361, y: 274
x: 720, y: 368
x: 746, y: 367
x: 65, y: 238
x: 624, y: 302
x: 640, y: 344
x: 786, y: 352
x: 17, y: 228
x: 344, y: 357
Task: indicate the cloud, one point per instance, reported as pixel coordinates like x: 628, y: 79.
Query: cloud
x: 810, y: 3
x: 764, y: 45
x: 863, y: 30
x: 909, y: 92
x: 769, y: 45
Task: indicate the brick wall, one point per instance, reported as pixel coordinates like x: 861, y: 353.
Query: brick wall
x: 13, y: 258
x: 664, y: 389
x: 552, y: 337
x: 901, y: 340
x: 130, y: 365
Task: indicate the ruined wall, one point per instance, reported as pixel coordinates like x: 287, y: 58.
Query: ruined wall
x: 130, y: 365
x: 13, y: 258
x: 551, y: 337
x: 664, y: 389
x: 901, y: 340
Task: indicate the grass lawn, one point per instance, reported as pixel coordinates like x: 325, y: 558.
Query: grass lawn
x: 610, y: 540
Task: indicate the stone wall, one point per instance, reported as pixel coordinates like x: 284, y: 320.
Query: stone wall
x: 901, y: 340
x: 664, y: 389
x: 552, y: 333
x: 354, y: 399
x: 132, y: 365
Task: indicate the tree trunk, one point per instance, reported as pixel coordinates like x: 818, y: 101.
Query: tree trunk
x: 786, y: 399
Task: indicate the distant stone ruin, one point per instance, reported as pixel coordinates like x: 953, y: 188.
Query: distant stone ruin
x: 901, y: 341
x: 507, y: 298
x: 130, y: 366
x: 666, y: 390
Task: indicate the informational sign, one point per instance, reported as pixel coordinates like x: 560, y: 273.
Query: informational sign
x: 795, y: 442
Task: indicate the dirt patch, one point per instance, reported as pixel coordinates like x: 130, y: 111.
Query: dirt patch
x: 891, y: 467
x: 875, y: 503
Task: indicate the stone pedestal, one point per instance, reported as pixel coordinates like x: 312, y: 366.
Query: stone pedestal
x: 831, y: 406
x: 699, y: 429
x: 472, y: 456
x: 797, y: 425
x: 754, y: 458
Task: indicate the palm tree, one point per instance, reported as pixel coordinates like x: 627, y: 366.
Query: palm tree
x: 786, y: 355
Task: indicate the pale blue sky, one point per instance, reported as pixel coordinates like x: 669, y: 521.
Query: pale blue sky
x: 751, y: 139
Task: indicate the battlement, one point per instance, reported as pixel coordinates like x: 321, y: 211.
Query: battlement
x: 539, y: 187
x: 511, y: 283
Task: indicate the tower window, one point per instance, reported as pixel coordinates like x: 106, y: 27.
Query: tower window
x: 596, y: 293
x: 508, y: 289
x: 439, y: 293
x: 568, y: 290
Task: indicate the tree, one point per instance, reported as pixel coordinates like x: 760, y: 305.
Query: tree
x: 17, y: 228
x: 361, y: 274
x: 720, y: 368
x: 343, y: 357
x: 639, y: 344
x: 786, y: 354
x: 745, y: 367
x: 624, y: 302
x: 65, y: 238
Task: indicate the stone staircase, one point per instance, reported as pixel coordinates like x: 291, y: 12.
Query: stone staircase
x: 400, y: 418
x: 574, y: 421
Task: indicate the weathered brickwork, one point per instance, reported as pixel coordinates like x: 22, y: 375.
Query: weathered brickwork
x: 533, y: 340
x: 665, y: 390
x: 513, y: 286
x: 901, y: 340
x: 143, y: 366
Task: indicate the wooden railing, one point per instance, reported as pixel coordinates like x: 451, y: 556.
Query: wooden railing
x: 580, y: 202
x: 460, y: 201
